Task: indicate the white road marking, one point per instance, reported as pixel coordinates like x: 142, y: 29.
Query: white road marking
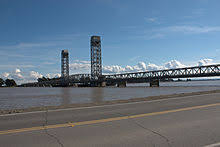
x: 213, y: 145
x: 108, y: 105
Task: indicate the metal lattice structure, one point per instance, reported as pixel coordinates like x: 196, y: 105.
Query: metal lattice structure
x: 65, y: 64
x: 189, y: 72
x: 96, y: 59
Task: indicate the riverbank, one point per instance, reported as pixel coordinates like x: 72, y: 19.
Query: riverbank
x: 150, y: 98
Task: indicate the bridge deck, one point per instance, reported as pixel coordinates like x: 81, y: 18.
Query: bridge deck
x: 188, y: 72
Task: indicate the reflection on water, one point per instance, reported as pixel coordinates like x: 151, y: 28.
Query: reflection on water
x: 65, y: 96
x: 15, y: 98
x: 97, y: 94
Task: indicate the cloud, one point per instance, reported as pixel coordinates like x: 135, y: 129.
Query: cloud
x: 25, y: 45
x: 25, y: 77
x: 80, y: 66
x: 16, y: 66
x: 35, y: 75
x: 160, y: 32
x: 84, y: 67
x: 5, y: 75
x: 113, y: 69
x: 17, y: 70
x: 204, y: 62
x: 174, y: 64
x: 151, y: 66
x: 191, y: 29
x: 151, y: 20
x: 140, y: 67
x: 16, y: 75
x: 53, y: 75
x: 155, y: 36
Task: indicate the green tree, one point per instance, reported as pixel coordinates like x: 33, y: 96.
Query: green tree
x: 2, y: 82
x: 10, y: 83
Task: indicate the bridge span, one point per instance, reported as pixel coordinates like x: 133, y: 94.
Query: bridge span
x: 153, y: 77
x: 97, y: 79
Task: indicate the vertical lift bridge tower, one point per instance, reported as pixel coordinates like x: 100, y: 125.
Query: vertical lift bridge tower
x: 96, y: 60
x: 65, y: 64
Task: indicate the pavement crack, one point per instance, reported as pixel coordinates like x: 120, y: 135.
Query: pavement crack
x: 149, y: 130
x: 46, y: 130
x: 154, y: 132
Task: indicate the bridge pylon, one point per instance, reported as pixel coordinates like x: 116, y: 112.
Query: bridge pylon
x: 65, y: 64
x: 96, y: 58
x: 64, y: 68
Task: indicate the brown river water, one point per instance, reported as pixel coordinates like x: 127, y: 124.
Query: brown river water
x: 18, y: 98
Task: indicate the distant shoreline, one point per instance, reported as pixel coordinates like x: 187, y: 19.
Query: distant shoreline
x: 45, y: 108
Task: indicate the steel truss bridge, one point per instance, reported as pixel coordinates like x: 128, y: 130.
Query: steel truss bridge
x: 188, y: 72
x: 141, y: 77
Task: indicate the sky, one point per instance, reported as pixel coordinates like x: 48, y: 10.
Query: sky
x: 137, y: 35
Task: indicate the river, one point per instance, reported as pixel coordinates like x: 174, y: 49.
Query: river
x: 19, y: 98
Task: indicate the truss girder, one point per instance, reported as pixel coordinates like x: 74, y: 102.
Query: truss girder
x: 198, y: 71
x: 189, y: 72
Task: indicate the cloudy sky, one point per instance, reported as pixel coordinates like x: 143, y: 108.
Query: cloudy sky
x: 136, y: 35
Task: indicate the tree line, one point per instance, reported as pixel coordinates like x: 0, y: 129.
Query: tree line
x: 7, y: 83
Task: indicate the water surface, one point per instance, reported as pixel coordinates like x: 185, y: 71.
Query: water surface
x: 20, y: 97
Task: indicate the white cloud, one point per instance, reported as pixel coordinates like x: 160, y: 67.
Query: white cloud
x: 80, y: 65
x: 113, y: 69
x: 140, y: 67
x: 5, y: 75
x: 192, y: 29
x: 25, y: 77
x: 152, y: 20
x: 84, y: 67
x: 17, y: 70
x: 16, y: 75
x: 158, y: 33
x: 53, y: 75
x: 151, y: 66
x: 204, y: 62
x: 129, y: 68
x: 174, y: 64
x: 35, y: 75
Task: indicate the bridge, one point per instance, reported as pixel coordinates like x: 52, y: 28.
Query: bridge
x: 97, y: 79
x: 153, y: 77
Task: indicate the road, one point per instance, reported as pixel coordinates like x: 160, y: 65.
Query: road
x: 181, y: 121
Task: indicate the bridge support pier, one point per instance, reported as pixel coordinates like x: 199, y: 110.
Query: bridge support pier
x: 122, y: 84
x: 102, y: 84
x: 154, y: 83
x: 98, y: 84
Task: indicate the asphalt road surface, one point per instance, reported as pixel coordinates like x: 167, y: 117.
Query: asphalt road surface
x: 175, y: 122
